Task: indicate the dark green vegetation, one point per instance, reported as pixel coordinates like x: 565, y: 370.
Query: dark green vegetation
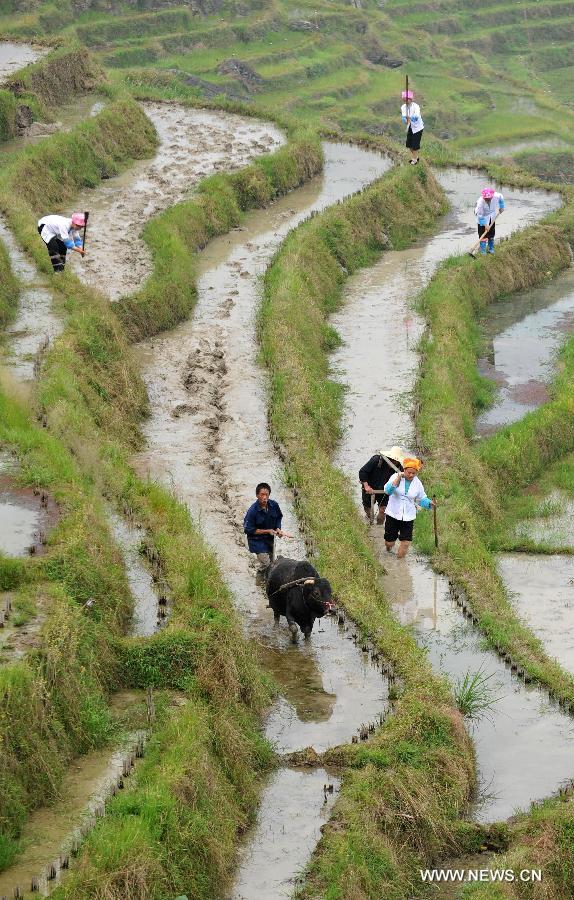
x: 420, y: 760
x: 201, y: 777
x: 482, y: 74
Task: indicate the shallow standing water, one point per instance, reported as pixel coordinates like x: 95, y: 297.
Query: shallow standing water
x: 524, y: 334
x: 14, y: 56
x: 378, y: 361
x: 207, y: 438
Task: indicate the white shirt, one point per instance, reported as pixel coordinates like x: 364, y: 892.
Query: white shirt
x: 414, y: 114
x: 401, y: 506
x: 55, y: 226
x: 487, y: 211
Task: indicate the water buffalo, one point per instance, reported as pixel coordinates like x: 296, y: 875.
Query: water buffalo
x: 296, y: 591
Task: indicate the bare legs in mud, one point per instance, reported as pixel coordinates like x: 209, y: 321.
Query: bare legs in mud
x: 403, y: 548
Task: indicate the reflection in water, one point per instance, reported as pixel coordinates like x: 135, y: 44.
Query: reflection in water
x: 525, y: 333
x: 282, y: 840
x: 207, y: 437
x: 524, y: 745
x: 543, y: 595
x: 378, y: 362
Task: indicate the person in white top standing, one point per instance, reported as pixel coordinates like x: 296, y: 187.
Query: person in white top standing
x: 406, y: 492
x: 61, y: 234
x: 489, y: 206
x: 411, y: 113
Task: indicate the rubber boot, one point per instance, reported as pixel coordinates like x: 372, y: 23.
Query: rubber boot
x: 491, y: 245
x: 483, y: 248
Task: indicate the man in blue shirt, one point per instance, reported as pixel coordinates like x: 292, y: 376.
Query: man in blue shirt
x: 261, y: 524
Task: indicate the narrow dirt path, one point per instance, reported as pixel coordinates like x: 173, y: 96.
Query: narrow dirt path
x: 524, y: 748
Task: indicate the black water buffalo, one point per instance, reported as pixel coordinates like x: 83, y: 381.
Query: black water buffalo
x: 296, y: 591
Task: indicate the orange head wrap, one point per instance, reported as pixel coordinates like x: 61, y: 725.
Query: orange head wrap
x: 411, y: 462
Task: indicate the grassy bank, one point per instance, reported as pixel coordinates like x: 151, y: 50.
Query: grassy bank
x: 470, y: 482
x: 174, y: 237
x: 199, y: 787
x: 405, y: 788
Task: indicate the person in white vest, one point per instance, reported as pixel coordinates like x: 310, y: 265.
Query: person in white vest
x: 61, y: 234
x: 411, y: 113
x: 406, y: 493
x: 488, y: 207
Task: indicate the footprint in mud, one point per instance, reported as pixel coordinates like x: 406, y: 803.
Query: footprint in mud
x: 226, y: 308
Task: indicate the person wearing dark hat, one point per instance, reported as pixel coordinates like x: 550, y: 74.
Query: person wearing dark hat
x: 262, y: 524
x: 61, y: 234
x: 374, y: 476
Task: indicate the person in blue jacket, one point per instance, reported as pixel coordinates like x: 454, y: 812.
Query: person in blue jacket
x: 61, y: 234
x: 262, y: 523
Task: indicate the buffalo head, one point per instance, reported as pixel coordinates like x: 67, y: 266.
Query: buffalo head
x: 318, y: 596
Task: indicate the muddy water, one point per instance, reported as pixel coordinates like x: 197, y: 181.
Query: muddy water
x: 280, y: 840
x: 207, y: 438
x: 378, y: 361
x: 193, y: 143
x: 16, y: 56
x: 25, y: 516
x: 519, y: 147
x: 128, y: 538
x: 51, y: 831
x: 542, y: 592
x: 35, y: 325
x: 524, y: 334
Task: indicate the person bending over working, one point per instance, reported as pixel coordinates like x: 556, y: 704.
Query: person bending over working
x: 262, y: 523
x: 61, y: 234
x: 374, y: 476
x: 489, y: 206
x: 411, y: 113
x: 405, y: 494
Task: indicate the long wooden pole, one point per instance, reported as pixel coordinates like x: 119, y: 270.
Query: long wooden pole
x: 86, y: 217
x: 434, y: 522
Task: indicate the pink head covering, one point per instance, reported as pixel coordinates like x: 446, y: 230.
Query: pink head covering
x: 488, y: 193
x: 407, y: 95
x: 78, y: 219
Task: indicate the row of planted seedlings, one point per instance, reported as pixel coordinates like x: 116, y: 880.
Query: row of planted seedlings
x: 177, y: 828
x: 404, y: 790
x: 472, y: 480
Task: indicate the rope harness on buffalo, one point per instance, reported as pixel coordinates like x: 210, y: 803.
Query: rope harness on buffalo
x: 299, y: 583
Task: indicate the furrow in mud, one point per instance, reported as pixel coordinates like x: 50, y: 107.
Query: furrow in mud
x: 378, y: 361
x: 207, y: 439
x: 193, y: 144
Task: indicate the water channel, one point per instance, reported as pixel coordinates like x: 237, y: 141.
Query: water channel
x: 524, y: 747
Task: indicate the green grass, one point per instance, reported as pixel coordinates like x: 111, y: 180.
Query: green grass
x: 359, y: 854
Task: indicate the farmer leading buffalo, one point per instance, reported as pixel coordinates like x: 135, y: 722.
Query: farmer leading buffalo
x: 296, y: 590
x: 262, y: 524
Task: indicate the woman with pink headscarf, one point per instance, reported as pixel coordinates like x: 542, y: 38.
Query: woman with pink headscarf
x: 411, y: 113
x: 489, y: 206
x: 61, y: 234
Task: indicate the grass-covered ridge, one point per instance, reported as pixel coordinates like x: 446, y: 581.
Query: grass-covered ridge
x: 202, y: 777
x: 421, y: 760
x: 174, y: 237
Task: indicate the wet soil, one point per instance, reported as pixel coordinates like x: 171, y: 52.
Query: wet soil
x: 35, y: 325
x: 554, y: 527
x: 193, y: 143
x: 15, y: 56
x: 207, y: 439
x: 378, y: 361
x: 524, y: 334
